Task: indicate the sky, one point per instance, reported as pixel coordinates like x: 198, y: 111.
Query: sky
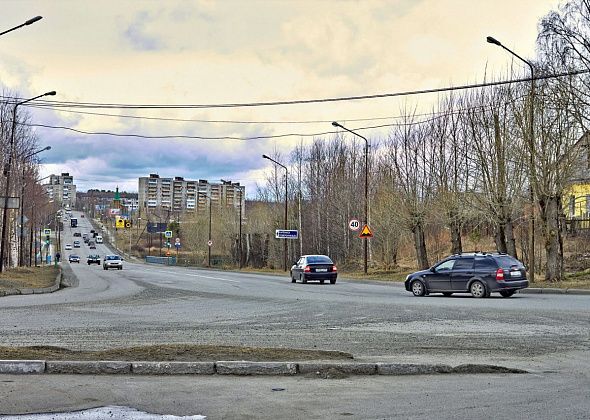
x: 201, y: 52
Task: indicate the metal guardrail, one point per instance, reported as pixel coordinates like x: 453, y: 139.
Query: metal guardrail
x: 160, y: 260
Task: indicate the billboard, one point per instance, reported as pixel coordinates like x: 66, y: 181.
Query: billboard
x: 114, y: 212
x: 157, y: 227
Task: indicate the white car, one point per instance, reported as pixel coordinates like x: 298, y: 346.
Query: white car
x: 68, y: 247
x: 112, y: 261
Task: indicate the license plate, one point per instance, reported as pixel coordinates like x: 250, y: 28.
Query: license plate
x: 321, y: 270
x: 515, y: 274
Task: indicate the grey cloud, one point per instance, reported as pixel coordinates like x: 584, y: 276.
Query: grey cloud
x: 137, y: 34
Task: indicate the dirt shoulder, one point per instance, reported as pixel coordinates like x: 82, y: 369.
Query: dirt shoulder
x: 28, y: 277
x: 171, y: 352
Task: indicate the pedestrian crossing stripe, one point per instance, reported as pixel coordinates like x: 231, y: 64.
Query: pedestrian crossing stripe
x: 366, y: 232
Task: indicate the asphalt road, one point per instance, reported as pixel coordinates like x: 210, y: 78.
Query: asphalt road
x: 147, y: 304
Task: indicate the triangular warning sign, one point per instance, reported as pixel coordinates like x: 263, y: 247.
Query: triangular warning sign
x: 366, y: 232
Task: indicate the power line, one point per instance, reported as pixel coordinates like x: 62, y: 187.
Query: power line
x: 96, y: 105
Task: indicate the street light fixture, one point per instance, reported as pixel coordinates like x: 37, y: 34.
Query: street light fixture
x: 285, y: 222
x: 28, y: 22
x: 209, y: 241
x: 494, y: 41
x: 366, y: 222
x: 8, y: 169
x: 22, y: 206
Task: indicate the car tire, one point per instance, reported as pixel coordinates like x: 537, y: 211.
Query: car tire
x: 447, y: 294
x: 104, y: 268
x: 332, y: 281
x: 507, y: 293
x: 303, y: 279
x: 418, y: 288
x: 478, y: 290
x: 120, y: 268
x: 322, y: 281
x: 293, y: 279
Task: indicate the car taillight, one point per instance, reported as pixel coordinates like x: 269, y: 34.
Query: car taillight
x: 334, y: 268
x: 307, y: 269
x: 499, y: 274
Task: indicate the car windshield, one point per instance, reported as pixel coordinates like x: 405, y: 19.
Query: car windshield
x: 113, y: 257
x: 318, y: 259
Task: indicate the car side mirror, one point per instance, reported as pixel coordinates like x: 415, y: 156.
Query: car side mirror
x: 432, y: 269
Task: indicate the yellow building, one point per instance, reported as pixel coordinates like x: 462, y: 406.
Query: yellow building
x: 576, y: 197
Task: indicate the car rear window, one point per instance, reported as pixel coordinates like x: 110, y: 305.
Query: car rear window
x: 319, y: 259
x: 485, y: 264
x: 506, y: 261
x: 463, y: 264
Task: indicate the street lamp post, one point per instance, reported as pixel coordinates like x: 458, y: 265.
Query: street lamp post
x: 8, y: 170
x: 365, y: 247
x: 285, y: 221
x: 22, y: 206
x: 28, y: 22
x: 209, y: 241
x: 494, y: 41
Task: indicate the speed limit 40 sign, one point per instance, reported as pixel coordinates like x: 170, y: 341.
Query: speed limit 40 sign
x: 354, y: 225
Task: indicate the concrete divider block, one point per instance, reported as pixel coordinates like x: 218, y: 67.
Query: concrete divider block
x: 255, y: 368
x: 577, y: 292
x: 22, y: 366
x: 88, y: 367
x: 26, y: 291
x: 411, y: 369
x: 347, y: 368
x: 173, y: 368
x: 530, y: 291
x: 553, y: 291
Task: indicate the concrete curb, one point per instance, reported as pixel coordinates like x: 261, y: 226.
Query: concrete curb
x: 37, y: 291
x: 241, y: 368
x: 553, y: 291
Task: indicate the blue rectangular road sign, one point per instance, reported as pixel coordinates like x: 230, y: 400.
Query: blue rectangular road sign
x: 286, y: 234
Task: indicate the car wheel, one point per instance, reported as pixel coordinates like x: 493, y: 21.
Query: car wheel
x: 332, y: 281
x: 104, y: 268
x: 507, y: 293
x: 447, y: 294
x: 322, y: 281
x: 303, y: 279
x: 120, y: 268
x: 478, y: 289
x: 293, y: 278
x: 418, y: 288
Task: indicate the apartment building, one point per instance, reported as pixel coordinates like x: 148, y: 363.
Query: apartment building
x: 61, y: 189
x: 180, y: 195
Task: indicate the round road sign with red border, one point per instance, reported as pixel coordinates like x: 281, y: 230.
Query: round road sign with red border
x: 354, y: 225
x: 209, y: 243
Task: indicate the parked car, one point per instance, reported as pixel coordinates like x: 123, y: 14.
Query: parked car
x: 112, y: 261
x: 68, y: 247
x: 93, y: 259
x: 314, y: 267
x: 74, y: 259
x: 478, y: 273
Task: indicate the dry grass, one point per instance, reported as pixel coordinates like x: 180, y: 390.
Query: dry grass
x: 28, y: 277
x: 171, y: 352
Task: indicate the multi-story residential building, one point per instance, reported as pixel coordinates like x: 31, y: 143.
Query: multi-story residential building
x: 61, y: 189
x: 180, y: 195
